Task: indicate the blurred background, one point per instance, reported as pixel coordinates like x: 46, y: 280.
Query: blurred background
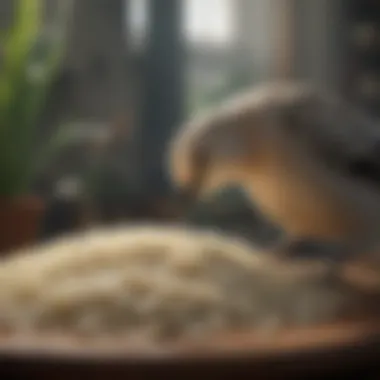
x: 90, y: 91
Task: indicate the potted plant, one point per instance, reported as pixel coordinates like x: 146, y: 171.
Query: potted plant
x: 32, y: 52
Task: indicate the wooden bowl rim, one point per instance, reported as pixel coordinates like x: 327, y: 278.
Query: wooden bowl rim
x: 331, y: 342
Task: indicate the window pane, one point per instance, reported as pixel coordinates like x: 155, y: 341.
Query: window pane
x: 209, y: 21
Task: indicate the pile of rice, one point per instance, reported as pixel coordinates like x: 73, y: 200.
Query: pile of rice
x: 160, y: 282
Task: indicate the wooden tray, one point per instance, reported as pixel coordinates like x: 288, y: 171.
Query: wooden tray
x: 340, y: 349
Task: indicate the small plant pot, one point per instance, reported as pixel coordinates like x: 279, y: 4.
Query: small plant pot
x: 20, y: 220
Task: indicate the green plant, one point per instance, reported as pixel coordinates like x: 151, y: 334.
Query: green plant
x: 32, y: 53
x: 236, y: 79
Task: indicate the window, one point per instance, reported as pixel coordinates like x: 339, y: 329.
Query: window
x: 205, y: 22
x: 137, y: 22
x: 209, y: 22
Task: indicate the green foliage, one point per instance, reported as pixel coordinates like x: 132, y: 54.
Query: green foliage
x: 236, y: 80
x: 32, y: 55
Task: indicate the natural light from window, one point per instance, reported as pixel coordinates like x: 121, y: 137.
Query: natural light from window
x: 205, y: 21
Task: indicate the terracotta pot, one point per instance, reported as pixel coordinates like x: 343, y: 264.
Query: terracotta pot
x: 20, y: 220
x: 337, y: 350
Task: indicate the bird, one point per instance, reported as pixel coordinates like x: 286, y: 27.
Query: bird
x: 301, y: 154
